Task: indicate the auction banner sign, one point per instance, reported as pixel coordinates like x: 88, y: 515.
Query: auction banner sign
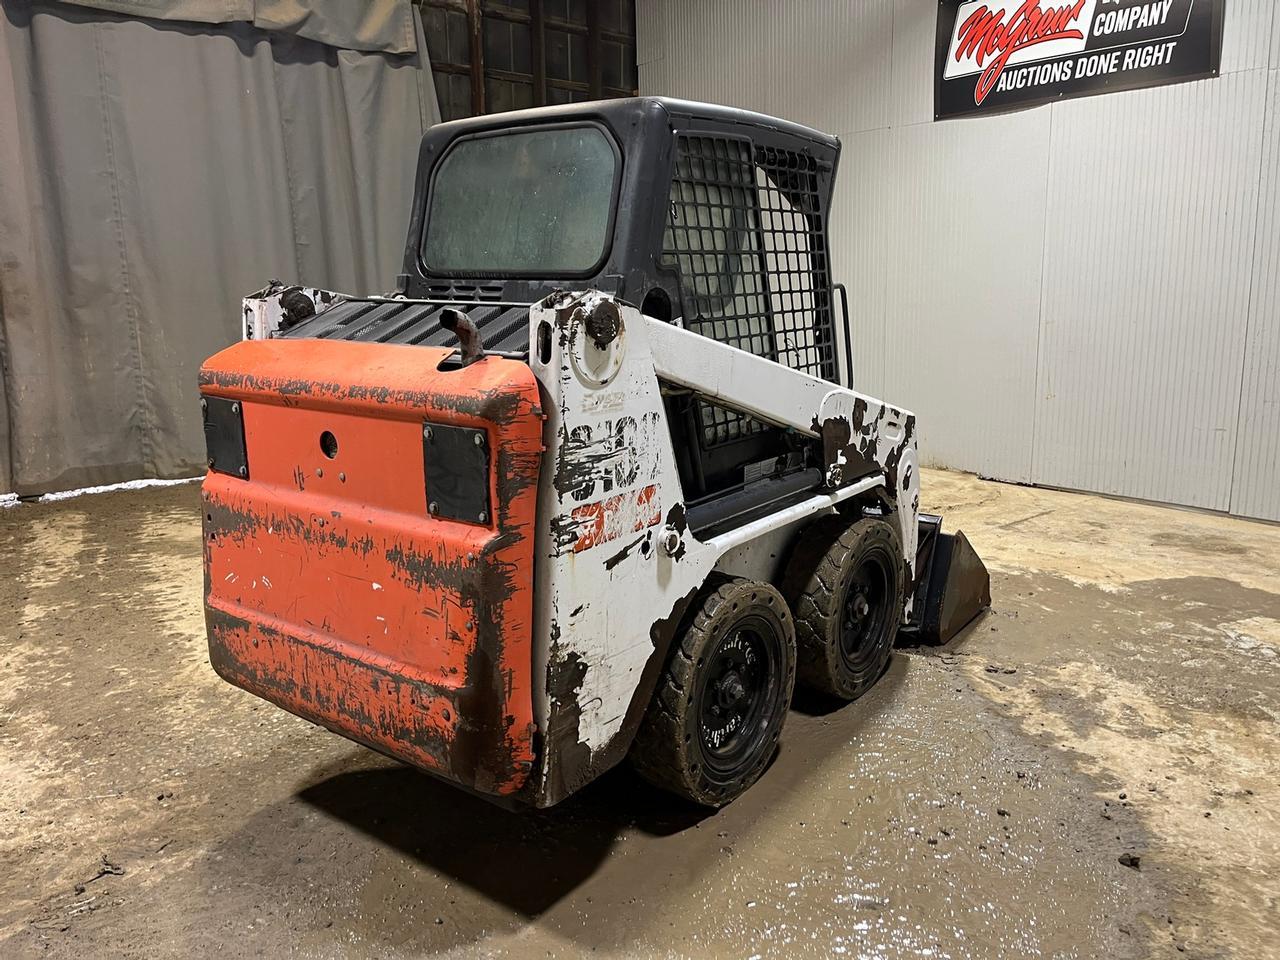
x: 996, y: 55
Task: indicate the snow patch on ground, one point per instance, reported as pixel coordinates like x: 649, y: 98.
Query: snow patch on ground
x: 11, y: 499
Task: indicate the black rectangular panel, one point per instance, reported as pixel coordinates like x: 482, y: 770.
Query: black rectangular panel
x: 224, y: 436
x: 457, y: 469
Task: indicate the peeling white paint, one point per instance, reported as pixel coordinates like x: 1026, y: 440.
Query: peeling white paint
x: 602, y: 536
x: 263, y: 312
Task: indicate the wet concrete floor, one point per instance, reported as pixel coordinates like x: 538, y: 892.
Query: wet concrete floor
x: 1092, y: 770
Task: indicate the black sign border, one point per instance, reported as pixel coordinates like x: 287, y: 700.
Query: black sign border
x: 942, y: 44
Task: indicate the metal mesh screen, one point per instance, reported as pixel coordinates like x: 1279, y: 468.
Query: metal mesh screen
x: 745, y: 230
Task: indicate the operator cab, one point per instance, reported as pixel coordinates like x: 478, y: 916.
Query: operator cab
x: 710, y: 217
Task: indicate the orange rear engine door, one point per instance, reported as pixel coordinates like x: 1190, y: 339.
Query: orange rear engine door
x: 332, y: 590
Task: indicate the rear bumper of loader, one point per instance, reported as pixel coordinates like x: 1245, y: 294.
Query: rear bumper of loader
x: 357, y: 577
x: 371, y: 699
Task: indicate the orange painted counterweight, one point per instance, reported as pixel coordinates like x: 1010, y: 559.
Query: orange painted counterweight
x: 330, y: 589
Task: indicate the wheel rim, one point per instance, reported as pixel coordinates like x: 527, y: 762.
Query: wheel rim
x: 865, y: 612
x: 737, y: 695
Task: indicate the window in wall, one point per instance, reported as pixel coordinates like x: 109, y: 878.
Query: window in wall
x: 488, y: 56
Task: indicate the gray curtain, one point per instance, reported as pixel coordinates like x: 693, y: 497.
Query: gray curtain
x: 152, y: 171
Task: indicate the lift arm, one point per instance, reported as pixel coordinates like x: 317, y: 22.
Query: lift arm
x: 863, y: 438
x: 860, y: 435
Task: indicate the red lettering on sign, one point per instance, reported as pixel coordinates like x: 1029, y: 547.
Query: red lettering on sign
x: 986, y: 35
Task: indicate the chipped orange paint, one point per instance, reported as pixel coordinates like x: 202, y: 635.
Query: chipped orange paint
x: 616, y: 516
x: 330, y: 591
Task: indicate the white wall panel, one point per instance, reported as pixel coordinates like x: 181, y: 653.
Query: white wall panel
x: 1275, y: 36
x: 1083, y: 295
x: 915, y: 24
x: 862, y: 220
x: 718, y: 50
x: 1149, y: 248
x: 653, y: 75
x: 1257, y: 469
x: 1246, y: 35
x: 837, y: 55
x: 651, y: 31
x: 965, y: 236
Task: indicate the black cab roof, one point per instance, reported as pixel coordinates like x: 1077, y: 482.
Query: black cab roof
x: 624, y: 107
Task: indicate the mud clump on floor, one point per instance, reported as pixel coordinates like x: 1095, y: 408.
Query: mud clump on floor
x: 1088, y: 771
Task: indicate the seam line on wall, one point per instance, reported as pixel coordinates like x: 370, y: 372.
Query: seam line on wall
x: 1044, y: 260
x: 6, y: 405
x: 893, y: 38
x: 288, y: 165
x: 1268, y: 120
x: 146, y: 424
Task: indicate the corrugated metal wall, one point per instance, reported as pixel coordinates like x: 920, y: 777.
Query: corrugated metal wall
x: 1083, y: 295
x: 1257, y: 485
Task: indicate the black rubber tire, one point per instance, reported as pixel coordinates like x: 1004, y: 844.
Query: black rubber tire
x: 671, y: 748
x: 817, y: 585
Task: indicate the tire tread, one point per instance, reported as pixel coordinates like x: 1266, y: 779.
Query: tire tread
x: 812, y: 586
x: 658, y: 752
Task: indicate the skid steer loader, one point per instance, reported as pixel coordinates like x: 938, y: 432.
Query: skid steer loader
x: 590, y: 483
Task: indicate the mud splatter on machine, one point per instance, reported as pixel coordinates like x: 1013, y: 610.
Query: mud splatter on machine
x: 592, y: 482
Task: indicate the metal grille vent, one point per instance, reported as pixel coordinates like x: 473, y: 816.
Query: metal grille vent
x: 745, y: 230
x: 465, y: 291
x: 503, y: 326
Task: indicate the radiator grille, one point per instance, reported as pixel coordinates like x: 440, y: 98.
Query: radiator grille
x: 503, y: 326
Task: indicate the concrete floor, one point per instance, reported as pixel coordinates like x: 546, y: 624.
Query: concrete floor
x: 1121, y: 699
